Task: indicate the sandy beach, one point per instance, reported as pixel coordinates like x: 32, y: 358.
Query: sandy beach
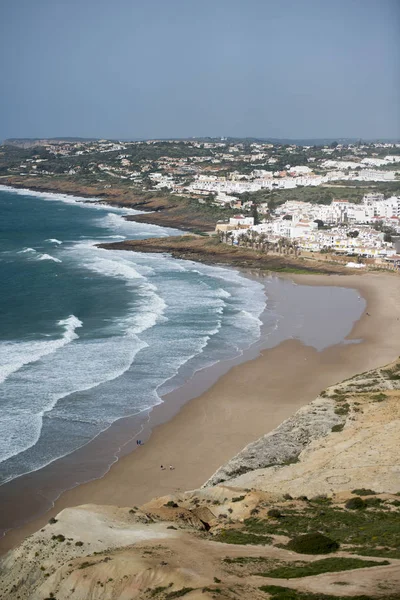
x: 249, y: 400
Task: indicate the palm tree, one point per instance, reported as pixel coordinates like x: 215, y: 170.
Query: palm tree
x: 281, y: 244
x: 253, y: 238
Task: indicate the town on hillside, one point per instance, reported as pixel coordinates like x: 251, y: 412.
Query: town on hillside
x: 341, y: 198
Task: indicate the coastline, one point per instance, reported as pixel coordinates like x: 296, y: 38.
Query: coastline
x: 197, y: 429
x: 158, y: 209
x: 207, y: 421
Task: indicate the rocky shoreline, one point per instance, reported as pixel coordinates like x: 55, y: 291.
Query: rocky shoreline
x: 158, y: 209
x: 177, y: 213
x: 210, y: 250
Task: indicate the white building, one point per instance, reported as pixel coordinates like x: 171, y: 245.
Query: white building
x: 241, y: 220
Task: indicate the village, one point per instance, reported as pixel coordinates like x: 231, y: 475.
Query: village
x: 221, y: 169
x: 333, y: 198
x: 368, y: 230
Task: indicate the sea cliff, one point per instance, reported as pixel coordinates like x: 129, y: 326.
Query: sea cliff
x: 315, y: 516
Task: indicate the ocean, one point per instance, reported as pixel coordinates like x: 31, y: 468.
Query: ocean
x: 89, y: 336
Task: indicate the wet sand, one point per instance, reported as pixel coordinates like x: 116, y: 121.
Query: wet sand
x: 249, y: 400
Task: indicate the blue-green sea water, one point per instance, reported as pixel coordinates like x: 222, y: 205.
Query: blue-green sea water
x: 88, y: 336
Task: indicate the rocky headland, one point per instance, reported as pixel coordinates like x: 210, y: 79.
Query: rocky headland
x: 157, y: 209
x: 211, y: 250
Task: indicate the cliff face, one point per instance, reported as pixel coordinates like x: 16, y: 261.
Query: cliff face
x: 346, y: 438
x: 335, y: 473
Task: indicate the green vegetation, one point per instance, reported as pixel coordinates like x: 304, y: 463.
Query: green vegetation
x: 325, y: 565
x: 171, y: 504
x: 356, y: 503
x: 379, y: 397
x: 371, y: 528
x: 392, y: 374
x: 337, y: 428
x: 244, y: 560
x: 86, y: 564
x: 313, y: 543
x: 277, y: 592
x: 238, y: 499
x: 363, y: 492
x: 235, y: 536
x: 179, y: 593
x: 342, y: 409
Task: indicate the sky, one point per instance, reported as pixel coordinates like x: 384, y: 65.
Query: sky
x: 135, y: 69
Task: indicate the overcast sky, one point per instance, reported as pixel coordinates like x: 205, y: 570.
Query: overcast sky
x: 181, y: 68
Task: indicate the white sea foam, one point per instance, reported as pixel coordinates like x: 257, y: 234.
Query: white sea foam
x: 14, y: 355
x: 48, y: 257
x: 26, y: 251
x: 46, y: 195
x: 179, y: 309
x: 36, y: 392
x: 54, y: 241
x: 113, y: 265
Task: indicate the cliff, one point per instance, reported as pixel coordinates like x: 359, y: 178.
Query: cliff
x: 347, y: 438
x: 308, y: 512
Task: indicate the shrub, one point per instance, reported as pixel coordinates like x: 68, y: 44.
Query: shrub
x: 356, y: 503
x: 313, y: 543
x: 321, y: 499
x: 274, y: 513
x: 379, y: 397
x: 324, y: 565
x: 363, y: 492
x: 171, y: 504
x: 86, y: 564
x: 238, y: 499
x: 78, y: 543
x: 373, y: 502
x: 52, y: 521
x: 343, y: 410
x: 337, y: 428
x: 179, y: 593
